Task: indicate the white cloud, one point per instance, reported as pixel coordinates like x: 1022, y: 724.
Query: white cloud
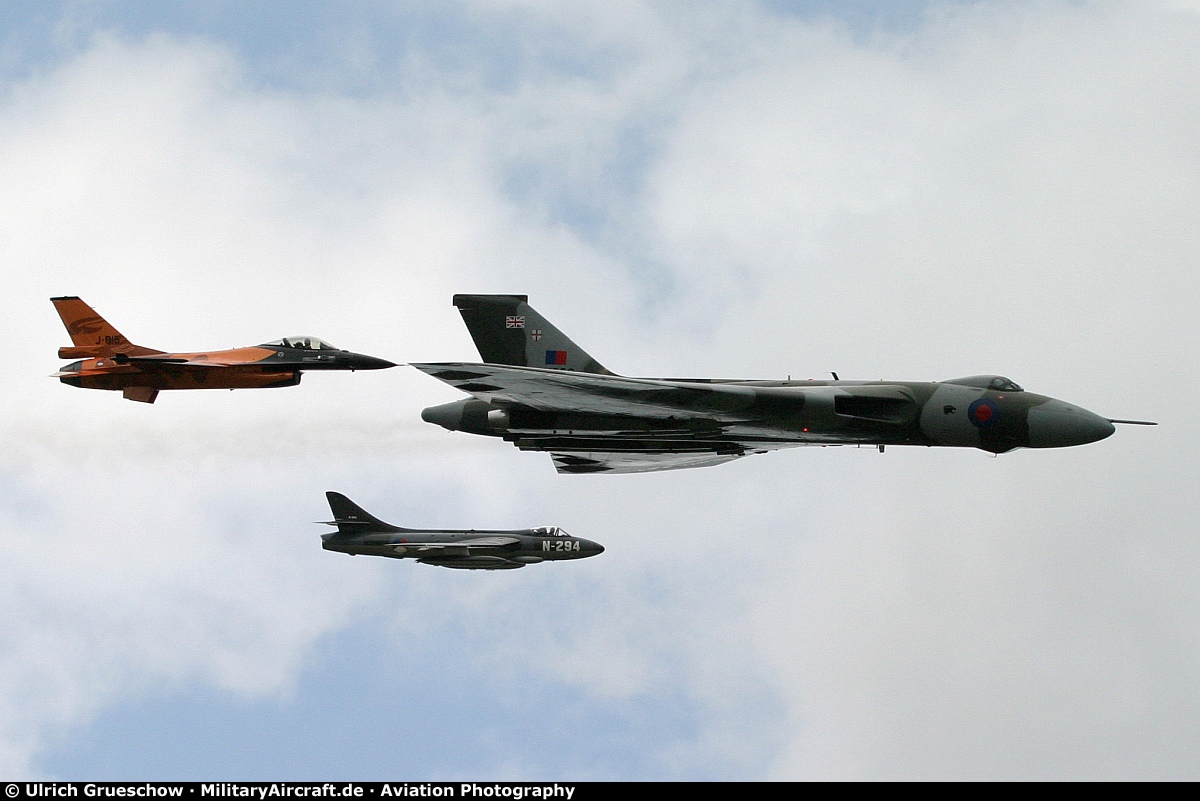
x: 1006, y: 187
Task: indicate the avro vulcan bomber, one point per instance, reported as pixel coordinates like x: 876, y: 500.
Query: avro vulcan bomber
x: 110, y: 361
x: 540, y: 391
x: 360, y: 532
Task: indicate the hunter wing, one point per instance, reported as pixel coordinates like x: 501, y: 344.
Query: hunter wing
x: 459, y: 548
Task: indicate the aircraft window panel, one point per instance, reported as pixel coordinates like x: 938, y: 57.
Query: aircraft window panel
x: 305, y: 343
x: 994, y: 382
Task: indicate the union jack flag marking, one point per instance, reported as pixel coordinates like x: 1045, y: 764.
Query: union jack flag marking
x: 514, y: 322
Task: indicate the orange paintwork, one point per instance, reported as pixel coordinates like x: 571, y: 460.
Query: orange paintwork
x: 238, y: 368
x: 102, y: 346
x: 91, y: 331
x: 120, y: 377
x: 229, y: 358
x: 108, y: 360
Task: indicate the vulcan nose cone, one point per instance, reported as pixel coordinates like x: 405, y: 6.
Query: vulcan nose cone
x: 1056, y: 424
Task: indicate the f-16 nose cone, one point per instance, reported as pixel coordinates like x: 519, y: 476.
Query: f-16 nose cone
x: 360, y: 362
x: 1059, y: 425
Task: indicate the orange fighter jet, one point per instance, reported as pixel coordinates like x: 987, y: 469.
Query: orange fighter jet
x: 110, y: 361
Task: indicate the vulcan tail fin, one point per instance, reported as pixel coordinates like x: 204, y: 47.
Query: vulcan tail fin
x: 350, y: 518
x: 92, y: 335
x: 507, y: 330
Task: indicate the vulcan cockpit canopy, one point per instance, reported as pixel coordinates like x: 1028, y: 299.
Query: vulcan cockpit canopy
x: 994, y: 382
x: 303, y: 343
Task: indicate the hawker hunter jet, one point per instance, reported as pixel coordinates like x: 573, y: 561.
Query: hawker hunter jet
x: 542, y: 392
x: 359, y: 532
x: 110, y: 361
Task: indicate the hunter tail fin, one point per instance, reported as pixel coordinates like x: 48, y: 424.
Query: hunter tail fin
x: 507, y: 330
x: 92, y: 335
x: 350, y: 518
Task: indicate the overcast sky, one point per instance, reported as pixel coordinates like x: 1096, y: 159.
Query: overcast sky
x: 738, y: 189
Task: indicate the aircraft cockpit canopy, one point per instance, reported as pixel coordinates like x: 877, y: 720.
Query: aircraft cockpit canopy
x: 303, y: 343
x: 994, y: 382
x: 549, y: 531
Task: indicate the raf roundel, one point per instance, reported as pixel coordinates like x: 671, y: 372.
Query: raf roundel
x: 983, y: 413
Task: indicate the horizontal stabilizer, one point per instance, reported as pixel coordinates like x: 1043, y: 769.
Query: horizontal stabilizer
x: 82, y: 353
x: 473, y: 563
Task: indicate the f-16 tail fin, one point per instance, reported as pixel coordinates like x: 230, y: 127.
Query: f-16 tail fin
x: 92, y: 335
x: 507, y: 330
x: 350, y: 518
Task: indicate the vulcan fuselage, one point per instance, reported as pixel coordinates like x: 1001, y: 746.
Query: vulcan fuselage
x: 685, y: 415
x: 541, y: 391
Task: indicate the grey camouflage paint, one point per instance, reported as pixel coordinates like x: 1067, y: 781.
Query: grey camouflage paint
x: 360, y: 532
x: 596, y: 421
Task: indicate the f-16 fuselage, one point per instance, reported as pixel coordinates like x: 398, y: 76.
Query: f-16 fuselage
x: 469, y: 549
x: 107, y: 360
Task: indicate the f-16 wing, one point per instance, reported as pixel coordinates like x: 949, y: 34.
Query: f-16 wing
x: 166, y: 362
